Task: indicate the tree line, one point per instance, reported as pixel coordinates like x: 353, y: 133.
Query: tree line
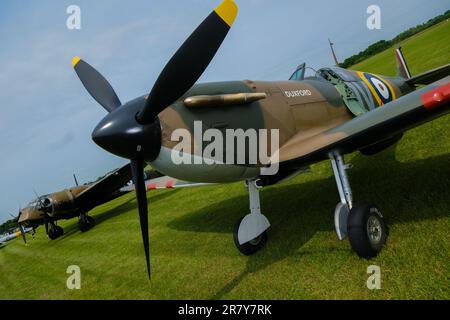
x: 8, y: 225
x: 382, y: 45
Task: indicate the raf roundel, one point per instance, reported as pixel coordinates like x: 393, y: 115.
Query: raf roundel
x: 380, y: 88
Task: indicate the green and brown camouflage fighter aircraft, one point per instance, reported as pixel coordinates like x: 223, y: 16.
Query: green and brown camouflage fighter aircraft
x: 321, y: 117
x: 73, y: 202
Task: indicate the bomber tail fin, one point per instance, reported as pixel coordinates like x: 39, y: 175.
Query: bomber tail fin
x: 402, y: 67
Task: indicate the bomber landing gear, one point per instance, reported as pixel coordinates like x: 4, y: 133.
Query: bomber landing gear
x: 54, y: 231
x: 85, y: 222
x: 249, y: 232
x: 363, y: 224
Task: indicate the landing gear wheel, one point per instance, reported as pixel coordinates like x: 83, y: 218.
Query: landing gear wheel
x: 55, y: 232
x: 367, y: 231
x: 252, y: 246
x: 86, y: 223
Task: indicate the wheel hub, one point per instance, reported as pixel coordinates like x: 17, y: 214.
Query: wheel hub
x: 256, y: 241
x: 374, y: 230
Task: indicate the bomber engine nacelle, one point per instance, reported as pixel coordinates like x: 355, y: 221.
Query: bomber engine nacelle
x: 63, y: 202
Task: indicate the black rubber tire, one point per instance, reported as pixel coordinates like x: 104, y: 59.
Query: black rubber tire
x: 358, y: 233
x: 55, y: 232
x: 252, y: 246
x: 87, y: 224
x: 52, y: 234
x: 59, y: 230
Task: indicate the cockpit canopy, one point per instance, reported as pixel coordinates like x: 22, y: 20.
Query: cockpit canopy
x: 37, y: 202
x: 299, y: 73
x: 338, y: 73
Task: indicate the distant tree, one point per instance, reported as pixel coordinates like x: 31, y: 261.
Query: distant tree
x: 10, y: 224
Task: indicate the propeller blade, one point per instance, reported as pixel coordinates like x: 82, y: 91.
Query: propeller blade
x: 137, y: 169
x: 96, y: 85
x: 76, y: 180
x: 38, y: 198
x: 190, y: 61
x: 22, y: 231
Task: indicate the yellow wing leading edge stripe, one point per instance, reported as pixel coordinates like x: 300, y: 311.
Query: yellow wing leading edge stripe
x: 227, y: 11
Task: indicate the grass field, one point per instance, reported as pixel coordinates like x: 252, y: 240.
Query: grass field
x: 193, y: 255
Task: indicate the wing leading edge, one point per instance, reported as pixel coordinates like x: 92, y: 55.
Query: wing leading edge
x: 105, y: 188
x: 429, y: 76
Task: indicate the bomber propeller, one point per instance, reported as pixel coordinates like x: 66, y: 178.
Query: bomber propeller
x: 132, y: 130
x: 22, y: 230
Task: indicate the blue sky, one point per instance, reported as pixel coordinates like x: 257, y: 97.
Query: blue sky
x: 47, y: 117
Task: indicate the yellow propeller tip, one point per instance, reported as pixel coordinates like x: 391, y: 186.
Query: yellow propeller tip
x: 75, y: 60
x: 227, y: 11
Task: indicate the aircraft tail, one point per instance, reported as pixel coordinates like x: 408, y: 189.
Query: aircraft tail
x: 425, y: 78
x: 402, y: 67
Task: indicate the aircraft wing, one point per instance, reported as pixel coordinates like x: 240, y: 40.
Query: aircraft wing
x: 375, y: 126
x: 106, y: 188
x: 430, y: 76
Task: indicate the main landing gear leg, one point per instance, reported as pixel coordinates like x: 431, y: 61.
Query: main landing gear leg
x: 85, y: 223
x: 53, y: 231
x: 362, y: 223
x: 249, y: 232
x: 345, y: 193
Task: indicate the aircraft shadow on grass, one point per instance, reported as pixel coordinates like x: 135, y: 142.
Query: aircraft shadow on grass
x: 405, y: 192
x: 410, y: 191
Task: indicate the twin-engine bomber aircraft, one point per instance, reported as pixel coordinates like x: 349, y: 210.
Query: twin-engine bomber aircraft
x: 73, y: 202
x: 325, y: 116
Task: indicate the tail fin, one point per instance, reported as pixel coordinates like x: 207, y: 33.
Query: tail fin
x: 402, y: 67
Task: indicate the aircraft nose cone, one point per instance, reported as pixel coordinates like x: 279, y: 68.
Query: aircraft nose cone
x: 119, y: 133
x: 103, y: 135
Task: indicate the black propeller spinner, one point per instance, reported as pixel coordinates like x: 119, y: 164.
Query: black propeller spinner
x: 132, y: 130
